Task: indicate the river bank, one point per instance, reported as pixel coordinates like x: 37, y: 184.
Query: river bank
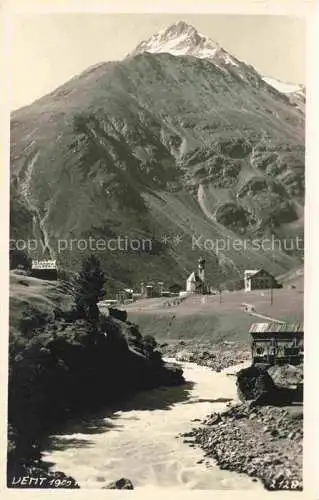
x: 263, y: 442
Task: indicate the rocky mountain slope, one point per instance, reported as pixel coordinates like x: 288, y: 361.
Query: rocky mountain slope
x: 181, y: 148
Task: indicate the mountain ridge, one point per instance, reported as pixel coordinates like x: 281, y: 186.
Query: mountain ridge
x: 182, y: 38
x: 124, y: 147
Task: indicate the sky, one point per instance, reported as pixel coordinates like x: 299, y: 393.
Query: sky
x: 49, y: 49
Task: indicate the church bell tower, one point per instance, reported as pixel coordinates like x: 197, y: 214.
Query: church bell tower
x: 201, y: 269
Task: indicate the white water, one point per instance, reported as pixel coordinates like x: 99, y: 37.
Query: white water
x: 140, y: 440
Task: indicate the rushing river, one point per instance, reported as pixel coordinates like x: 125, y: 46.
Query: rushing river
x: 139, y: 441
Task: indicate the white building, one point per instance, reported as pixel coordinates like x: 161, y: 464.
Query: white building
x: 191, y: 282
x: 196, y: 280
x: 248, y: 274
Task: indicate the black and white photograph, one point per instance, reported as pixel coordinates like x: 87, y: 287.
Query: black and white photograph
x: 156, y: 252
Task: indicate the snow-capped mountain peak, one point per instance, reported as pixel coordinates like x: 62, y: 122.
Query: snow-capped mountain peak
x: 181, y: 39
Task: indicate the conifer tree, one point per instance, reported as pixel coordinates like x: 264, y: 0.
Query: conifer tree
x: 89, y: 289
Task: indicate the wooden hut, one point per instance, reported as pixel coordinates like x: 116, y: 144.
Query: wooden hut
x: 277, y: 343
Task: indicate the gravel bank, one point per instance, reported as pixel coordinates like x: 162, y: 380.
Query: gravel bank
x: 264, y: 442
x: 215, y: 356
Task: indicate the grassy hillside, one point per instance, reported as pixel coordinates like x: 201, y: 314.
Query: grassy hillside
x: 200, y: 327
x: 160, y: 145
x: 293, y: 278
x: 35, y: 300
x: 207, y: 319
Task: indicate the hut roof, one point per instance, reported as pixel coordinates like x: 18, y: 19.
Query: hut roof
x: 252, y: 271
x: 273, y: 327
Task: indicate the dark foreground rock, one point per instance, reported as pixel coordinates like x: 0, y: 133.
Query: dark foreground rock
x: 264, y: 442
x: 120, y: 484
x: 274, y: 385
x: 172, y: 374
x: 118, y: 314
x: 255, y: 384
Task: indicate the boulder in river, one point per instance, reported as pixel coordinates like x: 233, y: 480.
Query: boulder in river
x: 120, y: 484
x: 172, y: 374
x: 255, y: 384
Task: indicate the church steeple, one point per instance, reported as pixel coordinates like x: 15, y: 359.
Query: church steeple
x: 201, y: 269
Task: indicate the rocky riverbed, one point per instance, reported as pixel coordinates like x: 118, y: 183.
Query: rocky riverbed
x: 264, y: 442
x: 215, y: 356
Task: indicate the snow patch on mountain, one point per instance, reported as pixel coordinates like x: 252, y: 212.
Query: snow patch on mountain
x: 285, y: 88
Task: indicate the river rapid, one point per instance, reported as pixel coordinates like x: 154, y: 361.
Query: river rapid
x: 138, y: 439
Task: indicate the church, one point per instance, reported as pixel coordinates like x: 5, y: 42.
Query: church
x: 196, y: 282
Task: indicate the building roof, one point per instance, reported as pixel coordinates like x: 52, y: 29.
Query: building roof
x: 260, y: 272
x: 251, y: 271
x: 273, y: 327
x: 193, y: 277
